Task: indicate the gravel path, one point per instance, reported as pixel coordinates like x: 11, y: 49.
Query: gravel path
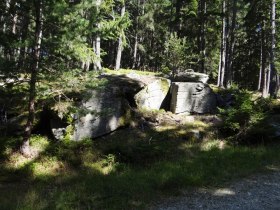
x: 254, y: 193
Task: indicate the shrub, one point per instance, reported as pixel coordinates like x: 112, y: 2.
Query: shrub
x: 245, y: 118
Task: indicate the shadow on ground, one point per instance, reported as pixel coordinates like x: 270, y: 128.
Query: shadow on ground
x: 125, y: 170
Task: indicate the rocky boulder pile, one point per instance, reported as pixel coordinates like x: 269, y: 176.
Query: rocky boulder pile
x: 105, y: 109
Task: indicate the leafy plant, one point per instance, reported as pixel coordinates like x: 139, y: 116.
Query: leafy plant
x: 245, y: 116
x: 175, y: 53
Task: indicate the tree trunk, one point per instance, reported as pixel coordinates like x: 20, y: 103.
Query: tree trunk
x: 97, y: 47
x: 231, y: 45
x: 5, y: 22
x: 8, y: 2
x: 120, y: 44
x: 223, y: 49
x: 265, y: 83
x: 261, y: 67
x: 22, y: 51
x: 134, y: 65
x: 25, y: 147
x: 264, y: 70
x: 15, y: 20
x: 202, y: 50
x: 177, y: 23
x: 273, y: 77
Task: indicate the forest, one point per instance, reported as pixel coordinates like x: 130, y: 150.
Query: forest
x: 55, y: 53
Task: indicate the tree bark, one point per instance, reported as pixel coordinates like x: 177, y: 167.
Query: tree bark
x: 202, y: 50
x: 273, y: 77
x: 25, y: 147
x: 223, y: 48
x: 261, y: 66
x: 264, y: 70
x: 120, y: 43
x: 135, y: 49
x: 231, y: 45
x: 8, y: 2
x: 23, y: 36
x: 97, y: 42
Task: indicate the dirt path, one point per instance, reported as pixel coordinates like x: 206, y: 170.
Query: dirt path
x: 254, y: 193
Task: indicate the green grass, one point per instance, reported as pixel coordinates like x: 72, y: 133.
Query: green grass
x: 126, y: 170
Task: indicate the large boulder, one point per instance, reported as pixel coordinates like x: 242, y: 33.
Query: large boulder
x: 190, y: 76
x: 105, y: 111
x: 153, y: 95
x: 192, y: 97
x: 100, y: 110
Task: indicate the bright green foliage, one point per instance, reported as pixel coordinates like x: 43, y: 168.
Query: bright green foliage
x: 245, y: 121
x: 175, y: 55
x: 238, y: 117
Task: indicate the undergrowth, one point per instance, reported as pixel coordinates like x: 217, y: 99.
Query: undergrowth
x: 125, y: 170
x: 245, y: 120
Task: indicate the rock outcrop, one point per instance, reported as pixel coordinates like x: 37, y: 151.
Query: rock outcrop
x: 101, y: 110
x: 192, y: 97
x: 153, y: 95
x: 105, y: 111
x: 190, y: 76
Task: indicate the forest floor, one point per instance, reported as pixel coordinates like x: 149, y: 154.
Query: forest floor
x: 134, y: 167
x: 261, y: 191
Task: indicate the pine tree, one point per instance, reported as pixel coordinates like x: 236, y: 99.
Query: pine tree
x: 38, y: 6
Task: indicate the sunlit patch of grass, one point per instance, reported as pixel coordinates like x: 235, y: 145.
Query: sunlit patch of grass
x: 198, y: 125
x: 47, y: 166
x: 105, y: 164
x: 214, y: 144
x: 166, y: 128
x: 15, y: 160
x: 39, y: 143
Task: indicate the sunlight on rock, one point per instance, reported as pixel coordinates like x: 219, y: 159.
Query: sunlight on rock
x: 223, y: 192
x: 112, y: 122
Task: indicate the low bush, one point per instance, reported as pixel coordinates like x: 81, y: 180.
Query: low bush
x: 245, y: 119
